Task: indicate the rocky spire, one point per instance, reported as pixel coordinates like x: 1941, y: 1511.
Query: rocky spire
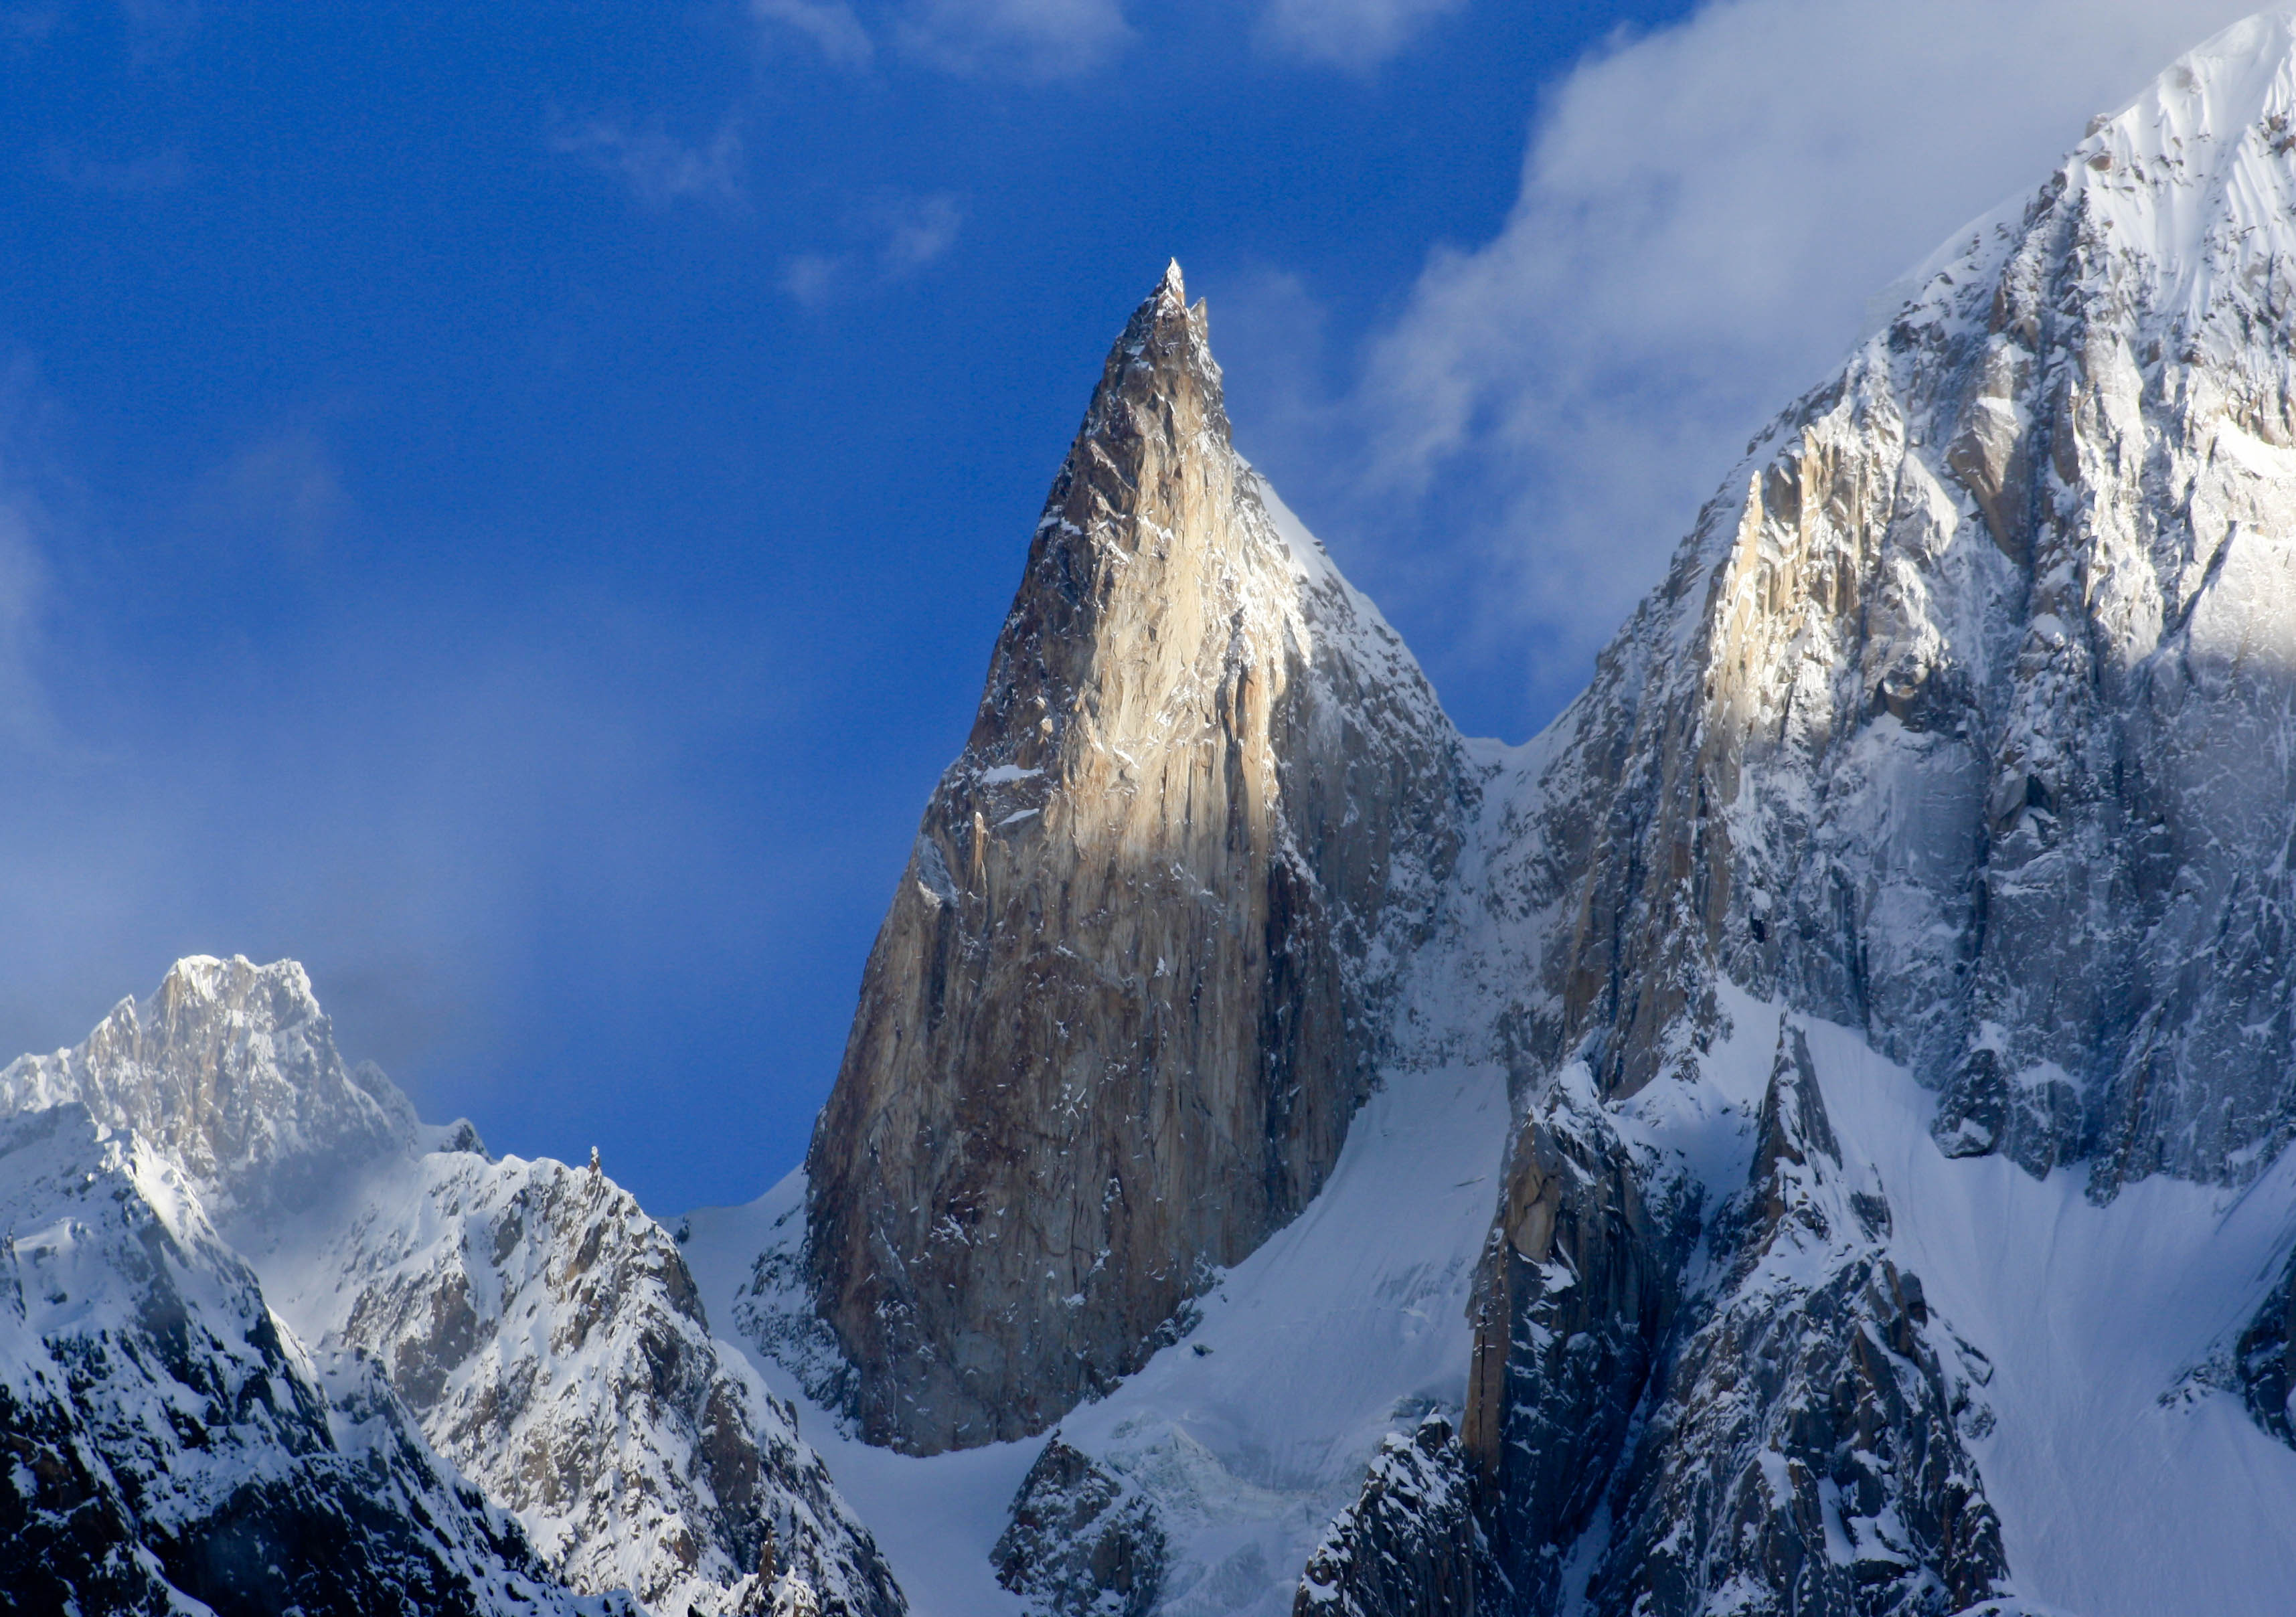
x: 1131, y: 987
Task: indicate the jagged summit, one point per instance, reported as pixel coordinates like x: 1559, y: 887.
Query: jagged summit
x: 1130, y: 990
x: 527, y: 1317
x: 231, y: 1067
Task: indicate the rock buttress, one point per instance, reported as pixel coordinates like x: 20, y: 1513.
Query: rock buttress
x: 1131, y: 987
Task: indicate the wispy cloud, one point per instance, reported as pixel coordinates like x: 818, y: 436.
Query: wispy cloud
x: 1038, y: 40
x: 1704, y: 213
x: 893, y: 238
x: 659, y: 169
x: 285, y: 489
x: 831, y: 26
x: 27, y: 714
x: 1356, y: 34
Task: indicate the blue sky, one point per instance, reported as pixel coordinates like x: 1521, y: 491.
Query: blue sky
x: 510, y: 505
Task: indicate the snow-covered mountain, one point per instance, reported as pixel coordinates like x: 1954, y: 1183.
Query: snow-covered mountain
x: 1810, y: 1133
x: 169, y: 1442
x: 519, y: 1328
x: 1882, y: 968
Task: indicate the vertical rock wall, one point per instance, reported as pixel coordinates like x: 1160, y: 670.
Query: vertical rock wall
x: 1131, y: 986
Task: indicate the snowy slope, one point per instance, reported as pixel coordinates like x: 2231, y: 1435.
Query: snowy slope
x: 541, y: 1330
x: 1253, y: 1430
x: 172, y: 1444
x: 2126, y: 1486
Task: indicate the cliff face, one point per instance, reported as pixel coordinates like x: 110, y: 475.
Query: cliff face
x: 1133, y: 983
x: 1961, y: 717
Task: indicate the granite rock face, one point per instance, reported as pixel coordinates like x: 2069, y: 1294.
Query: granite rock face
x: 1803, y: 1453
x: 1134, y: 983
x: 1582, y: 1279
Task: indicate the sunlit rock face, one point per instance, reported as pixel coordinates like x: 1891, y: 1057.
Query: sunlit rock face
x: 1133, y: 983
x: 1962, y: 719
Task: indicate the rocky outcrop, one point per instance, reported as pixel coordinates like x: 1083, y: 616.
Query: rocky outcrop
x: 167, y: 1440
x: 1803, y: 1454
x: 1133, y: 982
x: 1080, y: 1542
x: 2261, y: 1364
x: 1579, y: 1288
x: 1410, y: 1546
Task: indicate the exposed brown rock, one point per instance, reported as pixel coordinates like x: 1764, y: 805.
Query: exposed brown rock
x: 1132, y: 986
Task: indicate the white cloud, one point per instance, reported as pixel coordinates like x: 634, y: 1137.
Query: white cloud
x: 829, y: 24
x: 1357, y: 35
x: 1704, y: 213
x: 1039, y: 39
x: 656, y: 165
x: 285, y: 488
x: 894, y: 237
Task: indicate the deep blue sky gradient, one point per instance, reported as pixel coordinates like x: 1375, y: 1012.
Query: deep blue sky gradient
x: 504, y: 577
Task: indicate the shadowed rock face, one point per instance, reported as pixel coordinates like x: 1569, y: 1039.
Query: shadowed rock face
x: 1803, y: 1453
x: 166, y: 1437
x: 1130, y: 990
x: 1080, y: 1543
x: 1409, y: 1546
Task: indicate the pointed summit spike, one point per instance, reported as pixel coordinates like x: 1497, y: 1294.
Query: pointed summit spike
x: 1139, y: 849
x: 1173, y: 282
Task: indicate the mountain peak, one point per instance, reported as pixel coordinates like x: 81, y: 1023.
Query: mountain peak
x: 233, y: 1067
x: 1164, y: 889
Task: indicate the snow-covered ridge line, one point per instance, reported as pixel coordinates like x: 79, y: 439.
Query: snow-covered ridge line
x: 539, y: 1328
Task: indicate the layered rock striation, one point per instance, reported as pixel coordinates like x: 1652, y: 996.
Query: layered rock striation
x: 1133, y: 982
